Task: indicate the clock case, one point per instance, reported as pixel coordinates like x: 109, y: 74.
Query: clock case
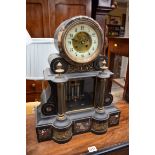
x: 65, y: 27
x: 76, y: 101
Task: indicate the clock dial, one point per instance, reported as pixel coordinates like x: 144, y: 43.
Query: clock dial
x: 81, y: 42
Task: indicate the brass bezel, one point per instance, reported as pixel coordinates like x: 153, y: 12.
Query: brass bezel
x: 62, y: 36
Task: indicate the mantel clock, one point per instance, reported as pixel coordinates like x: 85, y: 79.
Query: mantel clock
x: 76, y: 100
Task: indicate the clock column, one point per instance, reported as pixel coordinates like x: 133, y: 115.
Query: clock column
x: 100, y: 117
x: 62, y: 126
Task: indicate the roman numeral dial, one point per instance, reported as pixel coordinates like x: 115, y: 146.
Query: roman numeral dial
x: 81, y: 42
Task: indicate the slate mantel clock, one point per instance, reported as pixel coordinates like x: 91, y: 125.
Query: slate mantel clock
x: 76, y: 100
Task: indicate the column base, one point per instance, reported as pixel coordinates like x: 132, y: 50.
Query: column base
x: 99, y: 122
x: 62, y: 130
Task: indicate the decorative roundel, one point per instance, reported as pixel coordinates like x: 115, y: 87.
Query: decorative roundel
x: 54, y: 64
x: 98, y: 62
x: 108, y: 98
x: 79, y: 39
x: 47, y: 109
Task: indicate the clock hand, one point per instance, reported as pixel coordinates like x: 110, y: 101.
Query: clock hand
x: 75, y: 40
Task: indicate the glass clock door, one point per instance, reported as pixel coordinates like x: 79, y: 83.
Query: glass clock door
x: 80, y: 94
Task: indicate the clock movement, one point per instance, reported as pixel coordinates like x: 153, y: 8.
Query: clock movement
x: 76, y: 100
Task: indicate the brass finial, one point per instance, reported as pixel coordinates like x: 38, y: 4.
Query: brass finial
x: 103, y: 66
x: 59, y: 68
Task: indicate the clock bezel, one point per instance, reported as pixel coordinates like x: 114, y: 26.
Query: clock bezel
x: 69, y: 25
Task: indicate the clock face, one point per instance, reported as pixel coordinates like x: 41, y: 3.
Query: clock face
x: 82, y: 40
